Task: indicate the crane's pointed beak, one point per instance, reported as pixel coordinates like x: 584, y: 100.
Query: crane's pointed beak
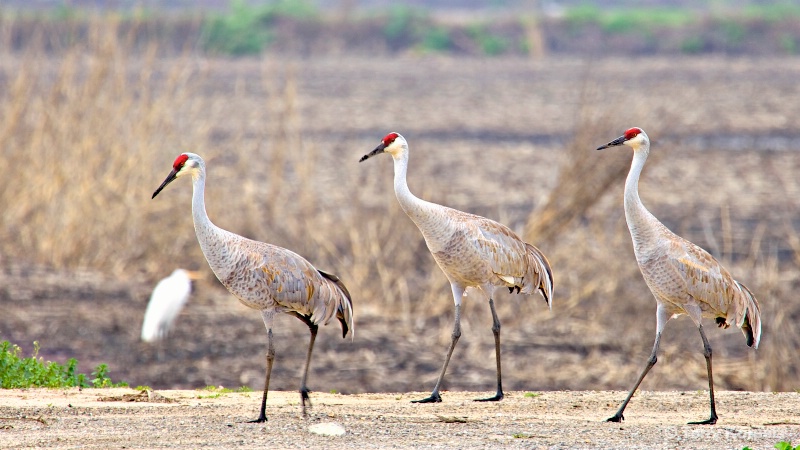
x: 618, y: 141
x: 170, y: 178
x: 379, y: 149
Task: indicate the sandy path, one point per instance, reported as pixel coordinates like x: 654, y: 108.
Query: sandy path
x: 549, y: 419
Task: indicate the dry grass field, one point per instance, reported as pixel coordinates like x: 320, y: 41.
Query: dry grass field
x: 87, y: 136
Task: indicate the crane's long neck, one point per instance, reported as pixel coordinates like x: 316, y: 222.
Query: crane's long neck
x: 417, y: 209
x: 212, y: 239
x: 641, y: 223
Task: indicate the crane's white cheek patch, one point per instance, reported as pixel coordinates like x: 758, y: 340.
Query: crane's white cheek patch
x: 327, y: 429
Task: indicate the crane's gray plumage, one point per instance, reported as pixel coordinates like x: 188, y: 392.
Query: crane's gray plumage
x: 472, y: 251
x: 264, y: 276
x: 683, y: 277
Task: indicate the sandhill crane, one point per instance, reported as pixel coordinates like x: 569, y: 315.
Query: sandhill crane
x: 166, y: 301
x: 472, y: 251
x: 264, y: 276
x: 683, y: 277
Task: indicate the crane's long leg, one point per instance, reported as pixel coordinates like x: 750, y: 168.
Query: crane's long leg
x: 268, y: 316
x: 650, y: 363
x: 303, y: 387
x: 435, y: 397
x: 661, y: 320
x: 496, y: 330
x: 262, y: 415
x: 707, y: 353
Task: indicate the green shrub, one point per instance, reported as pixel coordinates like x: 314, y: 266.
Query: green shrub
x: 582, y: 14
x: 788, y: 43
x: 773, y: 12
x: 436, y: 39
x: 406, y: 27
x: 240, y: 32
x: 692, y: 45
x: 17, y: 372
x: 783, y: 445
x: 490, y: 44
x: 733, y: 31
x: 245, y: 29
x: 638, y: 20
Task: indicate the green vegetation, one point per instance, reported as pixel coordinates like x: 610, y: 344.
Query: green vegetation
x: 783, y: 445
x: 733, y: 31
x: 489, y: 43
x: 436, y: 39
x: 773, y: 12
x: 532, y: 395
x: 217, y: 391
x: 641, y: 20
x: 400, y: 22
x: 788, y: 43
x: 522, y: 436
x: 248, y: 28
x: 628, y: 20
x: 17, y: 372
x: 692, y: 45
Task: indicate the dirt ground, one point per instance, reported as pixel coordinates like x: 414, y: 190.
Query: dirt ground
x: 109, y: 418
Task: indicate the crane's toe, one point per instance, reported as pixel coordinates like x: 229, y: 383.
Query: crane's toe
x: 261, y: 419
x: 496, y: 398
x: 711, y: 421
x: 304, y: 398
x: 616, y: 418
x: 434, y: 398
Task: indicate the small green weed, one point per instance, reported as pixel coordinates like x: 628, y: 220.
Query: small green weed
x: 102, y: 380
x: 532, y: 395
x: 17, y: 372
x: 217, y: 395
x: 783, y: 445
x: 217, y: 391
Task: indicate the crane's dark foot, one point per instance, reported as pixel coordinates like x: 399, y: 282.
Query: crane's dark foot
x: 617, y: 418
x: 261, y: 419
x: 434, y: 398
x: 304, y: 398
x: 711, y: 421
x: 496, y: 398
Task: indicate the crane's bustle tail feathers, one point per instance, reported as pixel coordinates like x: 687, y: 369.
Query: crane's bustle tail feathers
x: 750, y: 321
x: 345, y: 311
x: 539, y: 276
x: 541, y: 265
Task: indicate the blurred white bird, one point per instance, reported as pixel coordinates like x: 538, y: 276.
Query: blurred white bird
x: 166, y: 302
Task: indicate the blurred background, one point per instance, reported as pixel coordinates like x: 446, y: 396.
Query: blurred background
x: 503, y: 104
